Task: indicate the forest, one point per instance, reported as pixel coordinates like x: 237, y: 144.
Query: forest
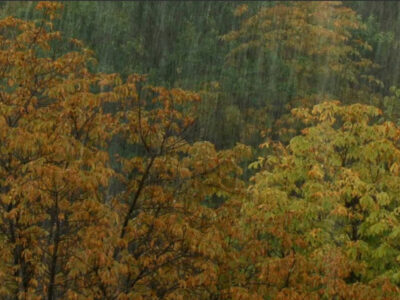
x: 202, y: 150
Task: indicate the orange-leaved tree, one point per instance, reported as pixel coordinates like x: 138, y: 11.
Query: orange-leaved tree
x: 165, y: 242
x: 317, y: 40
x: 53, y: 169
x: 316, y: 46
x: 77, y: 225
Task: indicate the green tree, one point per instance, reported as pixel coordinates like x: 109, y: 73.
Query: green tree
x: 321, y: 219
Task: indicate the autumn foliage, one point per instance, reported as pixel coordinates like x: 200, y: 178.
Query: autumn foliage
x: 318, y: 219
x: 63, y: 234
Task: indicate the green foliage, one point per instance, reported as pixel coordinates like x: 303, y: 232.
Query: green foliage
x: 334, y: 191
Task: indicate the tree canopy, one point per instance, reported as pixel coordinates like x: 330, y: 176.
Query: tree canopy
x: 255, y: 182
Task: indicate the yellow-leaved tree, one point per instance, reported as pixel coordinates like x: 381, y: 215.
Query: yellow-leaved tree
x: 321, y: 220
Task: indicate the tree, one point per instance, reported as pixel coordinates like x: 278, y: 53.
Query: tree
x: 321, y: 219
x: 52, y: 166
x: 166, y: 244
x: 78, y: 224
x: 302, y: 53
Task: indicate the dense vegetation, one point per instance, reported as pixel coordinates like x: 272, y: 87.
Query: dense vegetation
x: 211, y: 151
